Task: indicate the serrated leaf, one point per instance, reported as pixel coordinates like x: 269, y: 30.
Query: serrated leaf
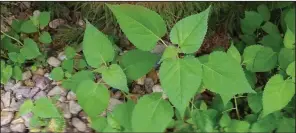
x: 271, y: 29
x: 222, y: 69
x: 30, y: 49
x: 6, y: 73
x: 233, y: 52
x: 45, y: 109
x: 278, y: 93
x: 255, y: 102
x: 123, y: 115
x: 99, y: 123
x: 291, y: 69
x: 286, y: 56
x: 78, y: 77
x: 238, y: 126
x: 97, y: 48
x: 115, y: 77
x: 258, y: 58
x: 264, y: 12
x: 68, y: 65
x: 180, y: 79
x: 202, y: 121
x: 28, y: 27
x: 92, y: 97
x: 170, y: 52
x: 289, y: 39
x: 26, y: 107
x: 44, y: 18
x: 70, y: 52
x: 136, y: 63
x: 45, y: 37
x: 17, y: 73
x: 189, y: 32
x: 290, y: 20
x: 225, y: 120
x: 151, y: 114
x: 138, y: 27
x: 57, y: 74
x: 286, y: 125
x: 273, y: 41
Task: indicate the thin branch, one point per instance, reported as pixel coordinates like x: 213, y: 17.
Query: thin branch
x: 12, y: 38
x: 236, y: 109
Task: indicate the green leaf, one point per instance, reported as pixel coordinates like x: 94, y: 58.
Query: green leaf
x: 44, y: 18
x: 45, y: 109
x: 97, y: 48
x: 137, y: 26
x: 271, y: 29
x: 28, y: 27
x: 248, y: 39
x: 251, y: 77
x: 189, y: 32
x: 17, y: 73
x: 291, y: 69
x: 26, y: 107
x: 70, y: 52
x: 16, y: 25
x: 8, y: 45
x: 57, y: 74
x: 115, y: 77
x: 30, y: 49
x: 278, y: 93
x: 258, y: 58
x: 233, y: 52
x: 180, y: 79
x: 286, y: 56
x: 273, y: 41
x: 45, y: 38
x: 290, y: 20
x: 151, y: 114
x: 289, y: 39
x: 68, y: 65
x: 255, y: 102
x: 218, y: 105
x: 6, y: 73
x: 99, y: 123
x: 264, y: 12
x: 225, y: 120
x: 36, y: 122
x: 202, y: 121
x: 266, y: 124
x: 92, y: 97
x: 251, y: 118
x: 170, y: 52
x: 286, y: 125
x: 222, y: 69
x: 78, y: 77
x: 81, y: 64
x: 137, y: 63
x: 13, y: 56
x: 238, y: 126
x: 251, y: 22
x: 123, y: 115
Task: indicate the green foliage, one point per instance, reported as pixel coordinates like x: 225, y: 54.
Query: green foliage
x: 30, y: 49
x: 26, y: 107
x: 203, y: 121
x: 70, y: 52
x: 57, y: 74
x: 115, y: 77
x: 285, y: 57
x: 45, y: 109
x: 45, y: 38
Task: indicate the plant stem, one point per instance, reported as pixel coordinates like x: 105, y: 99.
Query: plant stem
x: 236, y: 109
x: 12, y: 38
x: 163, y: 42
x: 104, y: 61
x: 228, y: 110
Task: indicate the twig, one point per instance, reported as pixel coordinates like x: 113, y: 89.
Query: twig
x: 236, y: 109
x: 12, y: 38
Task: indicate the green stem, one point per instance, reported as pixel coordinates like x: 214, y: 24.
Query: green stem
x: 12, y: 38
x: 163, y: 42
x: 236, y: 109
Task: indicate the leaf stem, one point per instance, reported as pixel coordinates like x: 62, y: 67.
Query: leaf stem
x: 12, y: 38
x: 163, y: 42
x: 236, y: 109
x: 228, y: 110
x: 104, y: 61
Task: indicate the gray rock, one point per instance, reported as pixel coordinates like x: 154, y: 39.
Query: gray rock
x: 62, y: 56
x: 18, y: 127
x: 41, y: 82
x: 55, y: 23
x: 6, y: 99
x: 157, y: 88
x: 5, y: 130
x: 33, y: 92
x: 112, y: 103
x: 18, y: 121
x: 39, y: 95
x: 15, y: 86
x: 65, y: 108
x: 14, y: 106
x: 78, y: 124
x: 148, y: 83
x: 141, y: 80
x: 74, y: 107
x: 27, y: 75
x: 6, y: 117
x: 158, y: 49
x: 57, y: 90
x: 9, y: 85
x: 53, y: 61
x: 62, y: 99
x: 39, y: 71
x: 27, y: 118
x: 22, y: 92
x: 71, y: 96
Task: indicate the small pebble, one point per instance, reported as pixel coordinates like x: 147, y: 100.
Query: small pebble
x: 6, y: 99
x: 53, y: 61
x: 27, y: 75
x: 18, y: 127
x: 71, y: 96
x: 6, y: 117
x: 57, y: 90
x: 74, y: 107
x: 78, y: 124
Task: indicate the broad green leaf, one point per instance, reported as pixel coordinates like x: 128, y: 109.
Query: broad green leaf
x: 278, y: 93
x: 8, y: 45
x: 291, y: 69
x: 28, y: 27
x: 30, y: 49
x: 180, y: 79
x: 264, y: 12
x: 78, y: 77
x: 258, y: 58
x: 6, y: 74
x: 238, y: 126
x: 137, y: 63
x: 286, y: 56
x: 26, y: 107
x: 273, y: 41
x: 251, y: 118
x: 70, y: 52
x: 248, y: 39
x: 81, y: 64
x: 57, y: 74
x: 99, y: 123
x: 92, y: 97
x: 151, y: 114
x: 17, y: 73
x: 224, y: 75
x: 13, y: 56
x: 251, y: 77
x: 123, y: 115
x: 271, y: 29
x: 202, y: 121
x: 286, y: 125
x: 139, y: 27
x: 225, y: 120
x: 251, y: 22
x: 289, y: 39
x: 44, y: 18
x: 170, y: 52
x: 45, y: 38
x: 266, y: 124
x: 115, y: 77
x: 255, y: 102
x: 68, y: 65
x: 16, y: 25
x: 189, y: 32
x: 233, y: 52
x: 290, y: 20
x: 97, y: 48
x: 37, y: 122
x: 218, y: 105
x: 113, y: 123
x: 44, y: 108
